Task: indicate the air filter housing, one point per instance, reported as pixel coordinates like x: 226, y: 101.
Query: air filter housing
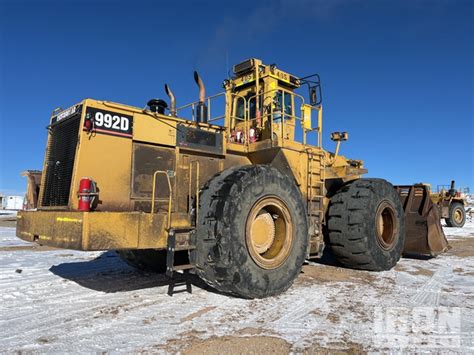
x: 244, y: 66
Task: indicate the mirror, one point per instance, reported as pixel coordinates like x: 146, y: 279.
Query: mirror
x: 315, y: 96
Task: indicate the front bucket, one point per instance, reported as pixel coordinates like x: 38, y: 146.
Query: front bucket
x: 424, y: 234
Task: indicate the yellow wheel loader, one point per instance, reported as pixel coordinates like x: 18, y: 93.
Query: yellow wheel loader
x: 452, y: 204
x: 235, y: 186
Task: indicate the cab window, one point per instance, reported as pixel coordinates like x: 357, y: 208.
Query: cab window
x: 240, y: 107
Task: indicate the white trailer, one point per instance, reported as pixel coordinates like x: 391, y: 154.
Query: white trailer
x: 12, y: 202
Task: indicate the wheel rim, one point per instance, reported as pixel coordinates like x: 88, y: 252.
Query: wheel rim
x: 387, y: 225
x: 458, y: 216
x: 269, y: 232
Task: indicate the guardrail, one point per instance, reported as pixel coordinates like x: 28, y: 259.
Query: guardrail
x: 282, y: 117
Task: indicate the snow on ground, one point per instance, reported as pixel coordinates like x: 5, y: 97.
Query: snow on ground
x: 455, y: 233
x: 8, y: 213
x: 62, y: 300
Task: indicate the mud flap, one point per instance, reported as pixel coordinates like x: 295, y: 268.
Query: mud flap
x: 424, y: 234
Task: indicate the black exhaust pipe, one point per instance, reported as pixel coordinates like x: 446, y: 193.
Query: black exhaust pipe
x: 201, y: 109
x: 452, y: 191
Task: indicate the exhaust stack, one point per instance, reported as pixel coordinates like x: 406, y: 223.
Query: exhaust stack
x: 202, y: 89
x: 201, y: 109
x: 452, y: 191
x: 172, y: 100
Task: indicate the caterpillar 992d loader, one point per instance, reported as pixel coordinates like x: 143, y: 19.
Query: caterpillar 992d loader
x: 237, y: 192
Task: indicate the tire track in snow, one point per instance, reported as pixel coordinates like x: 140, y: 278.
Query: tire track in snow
x: 429, y: 294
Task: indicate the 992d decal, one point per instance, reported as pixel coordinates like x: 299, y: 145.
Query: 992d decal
x: 108, y: 122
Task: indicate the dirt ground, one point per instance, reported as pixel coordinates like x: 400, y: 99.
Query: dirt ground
x: 10, y: 222
x: 67, y: 301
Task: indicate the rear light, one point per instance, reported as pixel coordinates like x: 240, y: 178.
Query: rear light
x: 88, y: 125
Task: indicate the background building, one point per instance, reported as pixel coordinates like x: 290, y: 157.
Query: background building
x: 12, y: 202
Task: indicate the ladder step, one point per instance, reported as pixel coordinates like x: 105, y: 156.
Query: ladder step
x: 183, y: 231
x: 315, y: 198
x: 178, y: 239
x: 180, y: 248
x: 183, y: 267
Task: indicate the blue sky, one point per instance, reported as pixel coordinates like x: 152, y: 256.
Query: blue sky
x: 397, y: 75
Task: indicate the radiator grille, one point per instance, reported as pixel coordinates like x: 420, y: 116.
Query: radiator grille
x: 60, y: 161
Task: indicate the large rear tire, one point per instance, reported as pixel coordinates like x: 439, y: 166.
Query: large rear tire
x: 366, y: 225
x: 252, y: 234
x: 457, y: 215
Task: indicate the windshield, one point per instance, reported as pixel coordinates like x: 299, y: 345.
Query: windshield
x: 240, y: 106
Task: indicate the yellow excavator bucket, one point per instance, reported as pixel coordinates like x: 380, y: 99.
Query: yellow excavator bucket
x: 424, y: 234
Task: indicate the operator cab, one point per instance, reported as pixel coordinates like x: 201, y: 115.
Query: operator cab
x: 260, y: 103
x: 262, y: 99
x: 264, y: 103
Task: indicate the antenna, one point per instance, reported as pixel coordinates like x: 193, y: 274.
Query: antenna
x: 227, y: 64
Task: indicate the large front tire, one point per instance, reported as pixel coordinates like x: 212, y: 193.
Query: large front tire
x: 252, y: 234
x: 366, y: 225
x: 457, y: 215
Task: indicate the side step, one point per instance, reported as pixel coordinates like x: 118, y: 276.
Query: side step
x: 178, y: 240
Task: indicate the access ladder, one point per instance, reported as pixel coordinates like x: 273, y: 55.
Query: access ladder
x: 315, y: 201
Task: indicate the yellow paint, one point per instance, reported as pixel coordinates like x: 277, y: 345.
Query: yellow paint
x: 307, y: 116
x: 148, y: 128
x: 107, y: 160
x: 66, y: 219
x: 320, y: 118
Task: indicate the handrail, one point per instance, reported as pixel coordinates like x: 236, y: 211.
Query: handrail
x: 230, y: 102
x: 170, y: 194
x: 279, y: 89
x: 283, y: 114
x: 197, y: 184
x: 267, y: 94
x: 196, y: 102
x: 208, y: 99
